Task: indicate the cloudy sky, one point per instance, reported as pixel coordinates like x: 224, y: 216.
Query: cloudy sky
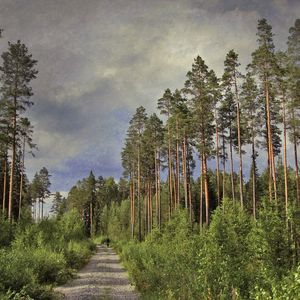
x: 98, y: 60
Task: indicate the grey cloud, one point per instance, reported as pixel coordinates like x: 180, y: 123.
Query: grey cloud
x: 99, y: 60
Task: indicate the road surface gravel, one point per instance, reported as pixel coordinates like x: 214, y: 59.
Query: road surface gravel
x: 103, y: 277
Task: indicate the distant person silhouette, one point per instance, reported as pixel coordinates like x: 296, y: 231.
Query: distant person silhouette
x: 107, y: 242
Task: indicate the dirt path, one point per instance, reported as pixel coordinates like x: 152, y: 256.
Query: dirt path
x: 102, y: 278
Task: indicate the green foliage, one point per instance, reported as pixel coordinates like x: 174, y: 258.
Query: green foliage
x: 163, y: 265
x: 41, y: 255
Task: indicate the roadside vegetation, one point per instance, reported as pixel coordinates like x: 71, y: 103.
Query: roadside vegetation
x: 36, y: 257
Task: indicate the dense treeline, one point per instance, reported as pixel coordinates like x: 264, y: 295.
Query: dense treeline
x: 220, y: 120
x: 231, y: 233
x: 35, y: 253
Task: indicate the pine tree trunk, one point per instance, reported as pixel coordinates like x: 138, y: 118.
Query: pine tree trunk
x: 285, y: 159
x: 206, y: 190
x: 224, y: 165
x: 12, y: 168
x: 218, y: 163
x: 270, y: 141
x: 253, y: 177
x: 4, y: 184
x: 189, y: 192
x: 231, y: 164
x: 170, y: 173
x: 139, y: 198
x: 91, y: 219
x: 159, y: 188
x: 177, y: 165
x: 239, y: 140
x: 156, y: 187
x: 184, y: 170
x: 296, y: 160
x: 201, y: 195
x: 21, y: 180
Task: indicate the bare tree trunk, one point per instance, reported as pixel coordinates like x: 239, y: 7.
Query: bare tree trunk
x: 91, y: 219
x: 4, y: 185
x: 21, y: 180
x: 270, y: 141
x: 201, y: 195
x: 224, y: 166
x: 170, y: 173
x: 177, y: 165
x: 184, y: 170
x: 296, y: 161
x: 150, y: 206
x: 139, y: 198
x: 239, y: 140
x: 189, y: 193
x: 218, y: 163
x: 158, y: 190
x: 206, y: 190
x: 156, y: 187
x: 12, y: 167
x: 231, y: 165
x: 285, y: 159
x: 253, y: 177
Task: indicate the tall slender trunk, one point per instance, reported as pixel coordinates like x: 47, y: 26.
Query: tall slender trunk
x: 139, y: 198
x: 170, y: 173
x: 296, y: 160
x: 177, y: 165
x: 21, y: 180
x: 189, y: 193
x: 224, y: 165
x: 285, y: 157
x: 239, y: 140
x: 206, y: 189
x: 158, y: 190
x: 4, y: 184
x: 150, y: 206
x: 131, y: 204
x: 218, y: 162
x: 184, y: 170
x: 174, y: 204
x: 201, y: 195
x: 91, y: 218
x: 253, y: 177
x: 270, y: 140
x: 156, y: 187
x: 231, y: 164
x: 13, y: 159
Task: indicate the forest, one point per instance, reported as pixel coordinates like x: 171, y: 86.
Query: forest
x: 232, y: 232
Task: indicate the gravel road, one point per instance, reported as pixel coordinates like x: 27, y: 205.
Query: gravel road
x: 102, y: 278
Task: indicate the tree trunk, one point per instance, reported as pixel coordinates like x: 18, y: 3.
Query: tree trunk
x: 218, y: 162
x: 224, y: 165
x: 296, y: 161
x: 201, y: 196
x: 13, y: 159
x: 184, y: 170
x: 91, y: 219
x: 239, y: 140
x: 206, y: 190
x: 21, y: 180
x: 170, y: 173
x: 156, y: 187
x: 139, y: 198
x: 270, y: 140
x: 177, y: 166
x: 253, y: 177
x: 158, y: 190
x: 231, y: 165
x: 4, y: 185
x: 285, y: 158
